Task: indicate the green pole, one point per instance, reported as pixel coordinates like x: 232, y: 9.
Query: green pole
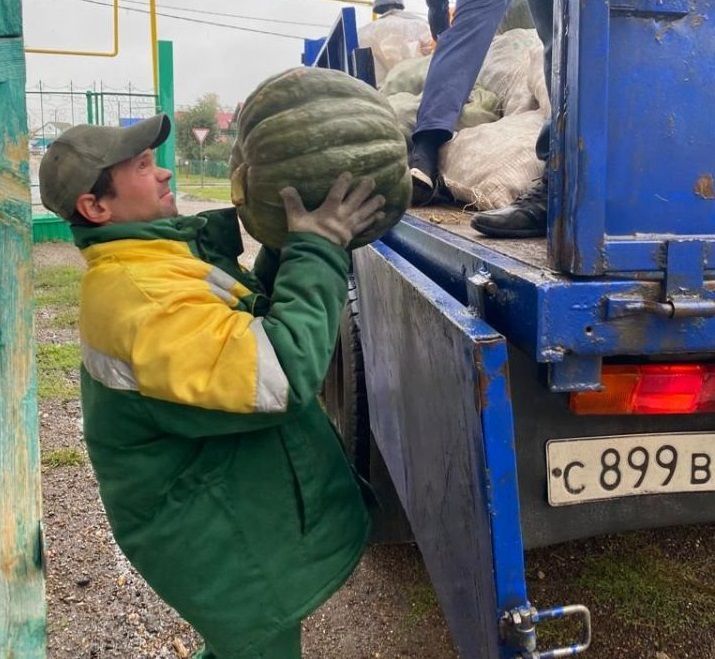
x: 22, y: 597
x: 90, y: 114
x: 166, y: 153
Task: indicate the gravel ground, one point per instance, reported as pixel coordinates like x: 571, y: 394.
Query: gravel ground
x: 98, y: 606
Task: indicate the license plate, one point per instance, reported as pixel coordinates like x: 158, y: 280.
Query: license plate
x: 595, y: 468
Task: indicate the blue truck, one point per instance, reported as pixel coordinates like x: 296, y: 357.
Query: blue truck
x: 516, y: 394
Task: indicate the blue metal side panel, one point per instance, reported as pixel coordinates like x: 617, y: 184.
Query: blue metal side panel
x: 661, y: 129
x: 350, y: 35
x: 311, y: 50
x: 502, y: 486
x: 634, y: 131
x: 440, y: 411
x: 335, y: 53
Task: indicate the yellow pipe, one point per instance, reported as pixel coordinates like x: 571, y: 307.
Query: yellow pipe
x: 355, y: 2
x: 112, y: 53
x: 154, y: 46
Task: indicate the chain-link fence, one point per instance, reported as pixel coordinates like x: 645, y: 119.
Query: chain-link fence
x: 52, y: 110
x: 211, y: 169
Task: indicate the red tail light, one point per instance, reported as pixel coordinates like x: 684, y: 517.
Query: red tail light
x: 650, y: 389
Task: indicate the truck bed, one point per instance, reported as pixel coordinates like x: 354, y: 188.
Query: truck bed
x: 531, y: 251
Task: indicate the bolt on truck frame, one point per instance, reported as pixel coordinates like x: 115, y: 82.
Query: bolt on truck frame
x: 527, y: 392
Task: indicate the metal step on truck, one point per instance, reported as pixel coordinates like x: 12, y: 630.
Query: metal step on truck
x: 524, y: 393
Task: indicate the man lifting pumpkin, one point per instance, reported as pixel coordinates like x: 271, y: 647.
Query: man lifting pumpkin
x: 224, y: 482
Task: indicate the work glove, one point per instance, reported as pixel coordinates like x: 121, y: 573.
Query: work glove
x: 342, y: 216
x: 438, y: 16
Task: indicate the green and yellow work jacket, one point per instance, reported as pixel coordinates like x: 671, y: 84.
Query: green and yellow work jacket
x: 224, y: 482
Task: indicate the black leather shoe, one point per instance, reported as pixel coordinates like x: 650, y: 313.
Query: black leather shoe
x: 525, y: 217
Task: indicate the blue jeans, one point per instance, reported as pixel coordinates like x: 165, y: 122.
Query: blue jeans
x: 460, y: 54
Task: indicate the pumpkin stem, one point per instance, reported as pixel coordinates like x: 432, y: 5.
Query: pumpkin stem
x: 238, y: 185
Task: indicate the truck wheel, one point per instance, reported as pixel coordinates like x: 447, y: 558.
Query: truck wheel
x: 344, y: 391
x: 345, y: 398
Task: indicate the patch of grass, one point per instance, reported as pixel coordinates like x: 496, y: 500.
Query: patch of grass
x: 215, y: 189
x: 63, y: 457
x: 57, y: 286
x: 558, y: 633
x: 65, y: 318
x: 648, y: 589
x: 423, y: 601
x: 55, y: 364
x: 214, y: 193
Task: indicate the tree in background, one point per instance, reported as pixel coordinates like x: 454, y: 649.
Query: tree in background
x: 201, y: 115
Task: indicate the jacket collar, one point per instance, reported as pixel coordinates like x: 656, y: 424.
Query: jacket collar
x: 182, y: 228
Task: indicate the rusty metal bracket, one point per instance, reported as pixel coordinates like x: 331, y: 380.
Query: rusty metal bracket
x: 684, y: 292
x: 480, y: 285
x: 685, y: 268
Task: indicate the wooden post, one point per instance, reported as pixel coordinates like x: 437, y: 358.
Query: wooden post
x: 22, y: 601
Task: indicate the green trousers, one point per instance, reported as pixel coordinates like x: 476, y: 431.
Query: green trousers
x: 284, y: 646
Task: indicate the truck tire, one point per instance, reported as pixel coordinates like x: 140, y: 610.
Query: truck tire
x: 345, y: 399
x: 344, y: 392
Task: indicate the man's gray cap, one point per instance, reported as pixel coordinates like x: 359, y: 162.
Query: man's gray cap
x: 74, y: 161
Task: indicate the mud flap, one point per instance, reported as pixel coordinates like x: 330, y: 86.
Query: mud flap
x: 440, y: 412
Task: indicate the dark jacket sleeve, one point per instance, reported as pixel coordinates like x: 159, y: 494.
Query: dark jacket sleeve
x: 308, y: 298
x: 220, y: 239
x: 266, y: 266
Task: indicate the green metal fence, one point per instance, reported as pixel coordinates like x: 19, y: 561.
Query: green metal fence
x: 211, y: 168
x: 53, y: 110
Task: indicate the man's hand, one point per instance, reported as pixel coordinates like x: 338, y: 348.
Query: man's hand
x: 341, y: 216
x: 438, y: 16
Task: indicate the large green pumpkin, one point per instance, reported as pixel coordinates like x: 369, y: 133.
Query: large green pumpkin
x: 304, y: 127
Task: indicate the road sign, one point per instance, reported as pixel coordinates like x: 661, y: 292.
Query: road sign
x: 200, y: 134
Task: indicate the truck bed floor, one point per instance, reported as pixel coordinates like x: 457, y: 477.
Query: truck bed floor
x: 527, y: 250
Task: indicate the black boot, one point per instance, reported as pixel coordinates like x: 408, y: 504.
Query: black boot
x: 424, y: 162
x: 525, y: 217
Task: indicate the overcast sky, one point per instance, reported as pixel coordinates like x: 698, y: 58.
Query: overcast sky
x: 207, y: 58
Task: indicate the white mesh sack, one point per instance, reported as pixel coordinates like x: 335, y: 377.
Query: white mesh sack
x: 536, y: 80
x: 490, y: 165
x: 518, y: 15
x: 506, y: 70
x: 396, y: 36
x: 407, y: 76
x: 405, y: 106
x: 482, y: 107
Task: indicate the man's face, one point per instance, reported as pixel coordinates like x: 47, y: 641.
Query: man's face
x: 141, y: 191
